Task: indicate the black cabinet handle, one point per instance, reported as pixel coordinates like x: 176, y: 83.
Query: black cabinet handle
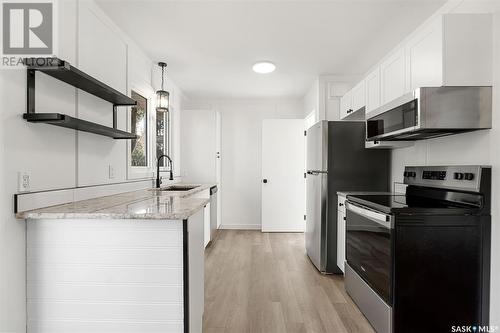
x: 340, y: 204
x: 264, y: 181
x: 344, y: 218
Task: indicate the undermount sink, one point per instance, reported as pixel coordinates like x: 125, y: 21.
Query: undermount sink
x: 178, y: 188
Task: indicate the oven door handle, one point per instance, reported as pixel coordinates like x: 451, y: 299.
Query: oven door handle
x: 384, y: 220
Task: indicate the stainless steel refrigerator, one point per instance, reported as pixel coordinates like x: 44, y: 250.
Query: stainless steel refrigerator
x: 337, y: 160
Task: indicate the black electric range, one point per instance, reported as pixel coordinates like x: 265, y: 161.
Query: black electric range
x: 419, y: 262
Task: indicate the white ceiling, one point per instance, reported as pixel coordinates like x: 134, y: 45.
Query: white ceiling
x: 210, y: 46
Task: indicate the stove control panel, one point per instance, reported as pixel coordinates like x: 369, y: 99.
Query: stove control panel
x: 454, y: 177
x: 435, y: 175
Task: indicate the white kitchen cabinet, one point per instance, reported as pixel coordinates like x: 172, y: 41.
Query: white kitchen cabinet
x: 352, y: 103
x: 393, y: 76
x: 205, y: 194
x: 113, y: 269
x: 358, y: 96
x: 341, y: 232
x: 372, y: 88
x: 345, y: 105
x: 425, y: 57
x: 453, y: 50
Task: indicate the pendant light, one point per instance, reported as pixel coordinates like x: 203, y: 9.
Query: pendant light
x: 162, y: 96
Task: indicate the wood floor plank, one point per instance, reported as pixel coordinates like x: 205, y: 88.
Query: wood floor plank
x: 265, y: 283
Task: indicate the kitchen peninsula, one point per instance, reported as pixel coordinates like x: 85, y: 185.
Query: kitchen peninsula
x: 129, y: 262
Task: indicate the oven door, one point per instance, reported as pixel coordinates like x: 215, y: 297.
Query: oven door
x: 369, y: 247
x: 396, y: 120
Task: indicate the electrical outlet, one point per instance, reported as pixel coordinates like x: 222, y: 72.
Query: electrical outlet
x: 23, y: 181
x: 111, y: 171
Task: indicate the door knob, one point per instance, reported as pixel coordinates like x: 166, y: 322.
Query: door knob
x: 264, y: 181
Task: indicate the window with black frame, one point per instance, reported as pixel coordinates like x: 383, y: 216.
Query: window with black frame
x: 139, y: 126
x: 162, y: 135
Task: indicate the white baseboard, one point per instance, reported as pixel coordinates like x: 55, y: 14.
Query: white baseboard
x: 284, y: 231
x: 240, y: 226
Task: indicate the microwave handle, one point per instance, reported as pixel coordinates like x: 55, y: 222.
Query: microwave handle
x: 380, y: 218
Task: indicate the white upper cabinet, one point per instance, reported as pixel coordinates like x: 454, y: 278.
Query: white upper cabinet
x: 393, y: 76
x: 425, y: 57
x: 372, y: 83
x: 346, y: 104
x: 358, y: 96
x: 453, y: 50
x: 352, y: 103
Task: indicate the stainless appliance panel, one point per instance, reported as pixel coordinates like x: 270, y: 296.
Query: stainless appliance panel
x: 378, y: 313
x: 316, y: 186
x: 401, y: 119
x: 316, y: 220
x: 455, y: 107
x: 431, y: 112
x: 317, y: 147
x: 369, y: 247
x: 456, y: 177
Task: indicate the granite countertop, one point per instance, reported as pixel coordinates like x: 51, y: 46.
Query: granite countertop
x: 142, y: 204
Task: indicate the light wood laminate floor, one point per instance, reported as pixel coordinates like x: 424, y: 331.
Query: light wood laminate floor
x: 264, y: 282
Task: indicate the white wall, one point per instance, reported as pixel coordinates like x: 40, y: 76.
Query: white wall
x: 199, y: 144
x: 59, y: 157
x: 472, y: 148
x: 311, y: 99
x: 242, y: 154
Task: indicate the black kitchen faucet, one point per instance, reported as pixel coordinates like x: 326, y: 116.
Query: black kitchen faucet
x: 158, y: 178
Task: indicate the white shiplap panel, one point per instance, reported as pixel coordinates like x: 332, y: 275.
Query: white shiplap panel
x: 80, y: 238
x: 78, y: 326
x: 108, y: 311
x: 171, y: 257
x: 104, y: 276
x: 105, y: 292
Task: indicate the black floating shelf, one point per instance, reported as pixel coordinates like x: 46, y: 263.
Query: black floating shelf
x: 63, y: 71
x: 64, y: 120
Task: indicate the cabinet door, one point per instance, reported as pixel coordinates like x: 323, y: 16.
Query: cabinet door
x: 358, y: 96
x: 345, y: 105
x: 372, y: 83
x: 393, y: 76
x: 340, y: 239
x: 424, y: 57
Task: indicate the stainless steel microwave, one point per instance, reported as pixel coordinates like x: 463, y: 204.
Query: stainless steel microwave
x: 431, y: 112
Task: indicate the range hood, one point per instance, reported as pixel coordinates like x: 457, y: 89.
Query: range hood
x: 430, y: 112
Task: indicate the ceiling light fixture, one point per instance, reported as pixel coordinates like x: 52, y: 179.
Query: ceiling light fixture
x: 264, y: 67
x: 162, y: 96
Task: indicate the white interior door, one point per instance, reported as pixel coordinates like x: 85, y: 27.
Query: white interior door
x: 218, y: 165
x: 283, y: 175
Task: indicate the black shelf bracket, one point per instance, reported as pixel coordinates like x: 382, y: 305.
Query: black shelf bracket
x: 63, y: 71
x: 30, y: 78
